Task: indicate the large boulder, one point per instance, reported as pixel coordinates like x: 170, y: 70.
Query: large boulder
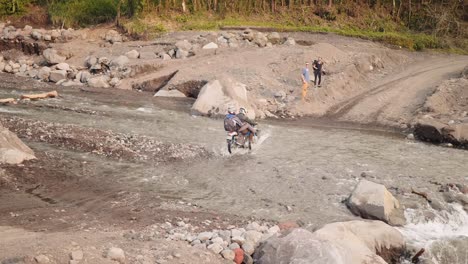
x: 438, y: 132
x: 210, y: 45
x: 216, y: 96
x: 52, y: 57
x: 353, y: 242
x: 12, y: 149
x: 373, y: 201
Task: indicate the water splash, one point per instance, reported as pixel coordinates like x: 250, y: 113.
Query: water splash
x: 443, y: 236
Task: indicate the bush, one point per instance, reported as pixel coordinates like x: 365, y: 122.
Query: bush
x: 10, y: 7
x: 83, y: 12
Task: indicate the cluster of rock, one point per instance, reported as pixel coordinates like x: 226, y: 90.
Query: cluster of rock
x: 225, y: 242
x: 336, y: 243
x: 9, y: 32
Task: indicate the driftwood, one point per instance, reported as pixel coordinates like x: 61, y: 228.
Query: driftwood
x: 415, y: 259
x: 7, y: 101
x: 422, y: 194
x: 52, y: 94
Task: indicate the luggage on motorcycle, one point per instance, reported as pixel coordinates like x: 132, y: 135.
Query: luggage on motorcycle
x: 230, y: 123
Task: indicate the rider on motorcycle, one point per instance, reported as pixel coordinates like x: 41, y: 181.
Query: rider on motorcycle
x: 233, y: 123
x: 244, y: 118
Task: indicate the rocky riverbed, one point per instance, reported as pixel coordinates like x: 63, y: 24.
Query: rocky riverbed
x: 117, y: 175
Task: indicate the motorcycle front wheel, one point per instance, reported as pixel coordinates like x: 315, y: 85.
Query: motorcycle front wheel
x: 229, y: 145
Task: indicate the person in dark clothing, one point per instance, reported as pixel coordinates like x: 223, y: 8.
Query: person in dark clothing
x: 318, y: 69
x: 243, y: 117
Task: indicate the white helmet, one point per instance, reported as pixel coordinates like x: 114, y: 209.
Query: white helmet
x: 231, y: 109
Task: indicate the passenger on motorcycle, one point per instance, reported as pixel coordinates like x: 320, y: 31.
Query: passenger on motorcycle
x: 244, y: 118
x: 233, y: 123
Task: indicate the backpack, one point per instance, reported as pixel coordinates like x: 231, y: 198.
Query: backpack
x: 230, y: 123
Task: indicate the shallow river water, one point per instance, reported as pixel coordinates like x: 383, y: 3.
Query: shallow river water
x: 296, y: 171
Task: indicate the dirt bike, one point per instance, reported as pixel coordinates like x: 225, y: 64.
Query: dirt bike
x: 240, y: 140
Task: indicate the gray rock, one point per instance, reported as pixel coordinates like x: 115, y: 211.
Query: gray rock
x: 228, y: 254
x: 57, y: 75
x: 253, y: 236
x: 8, y: 68
x: 248, y: 247
x: 27, y: 28
x: 171, y: 53
x: 13, y: 150
x: 52, y: 57
x: 76, y: 255
x: 290, y: 42
x: 44, y: 73
x: 133, y: 54
x: 116, y: 254
x: 85, y: 76
x: 47, y: 37
x: 165, y: 56
x: 205, y: 236
x: 217, y: 240
x: 148, y: 55
x: 36, y: 35
x: 260, y: 39
x: 225, y: 235
x: 215, y: 248
x: 274, y: 37
x: 234, y: 246
x: 210, y: 45
x: 169, y: 93
x: 183, y: 45
x: 32, y: 73
x: 90, y: 61
x: 410, y: 136
x: 55, y: 34
x: 119, y: 61
x: 373, y: 201
x: 63, y: 66
x: 248, y: 35
x: 42, y: 259
x: 2, y: 66
x: 113, y: 36
x: 236, y: 232
x: 101, y: 81
x: 114, y: 82
x: 238, y: 239
x: 181, y: 54
x: 23, y: 68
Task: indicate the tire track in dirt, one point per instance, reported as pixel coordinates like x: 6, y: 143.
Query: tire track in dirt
x: 343, y: 108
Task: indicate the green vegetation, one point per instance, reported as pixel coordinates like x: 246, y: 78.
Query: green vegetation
x: 413, y: 24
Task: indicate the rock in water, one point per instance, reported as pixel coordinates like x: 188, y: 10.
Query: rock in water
x: 373, y: 201
x: 12, y: 149
x: 353, y: 242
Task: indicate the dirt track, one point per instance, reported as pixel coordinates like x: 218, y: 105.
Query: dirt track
x: 395, y: 100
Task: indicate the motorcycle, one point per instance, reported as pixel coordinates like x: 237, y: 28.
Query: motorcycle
x: 239, y: 140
